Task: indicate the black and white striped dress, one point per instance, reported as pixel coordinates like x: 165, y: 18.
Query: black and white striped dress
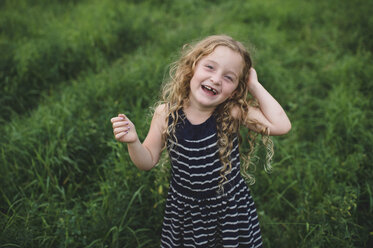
x: 196, y: 215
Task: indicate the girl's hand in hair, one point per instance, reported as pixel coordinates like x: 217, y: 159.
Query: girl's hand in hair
x: 269, y: 113
x: 253, y: 77
x: 123, y: 129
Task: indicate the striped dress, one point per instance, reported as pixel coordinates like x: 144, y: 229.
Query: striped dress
x: 196, y: 215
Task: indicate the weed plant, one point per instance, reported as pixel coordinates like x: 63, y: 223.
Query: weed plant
x: 67, y: 67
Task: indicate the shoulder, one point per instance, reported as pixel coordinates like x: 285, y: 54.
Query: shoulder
x: 161, y: 109
x: 160, y: 115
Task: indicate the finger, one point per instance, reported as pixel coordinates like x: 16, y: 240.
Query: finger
x: 120, y: 124
x: 116, y: 119
x: 122, y: 116
x: 121, y: 129
x: 119, y: 117
x: 120, y: 135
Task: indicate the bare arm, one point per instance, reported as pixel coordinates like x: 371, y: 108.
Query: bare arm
x: 269, y: 113
x: 144, y: 155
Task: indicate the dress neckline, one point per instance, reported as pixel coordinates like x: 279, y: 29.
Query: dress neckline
x: 195, y: 125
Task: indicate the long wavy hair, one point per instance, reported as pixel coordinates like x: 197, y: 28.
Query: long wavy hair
x: 175, y: 93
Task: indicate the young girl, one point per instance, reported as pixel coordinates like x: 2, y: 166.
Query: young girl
x: 205, y: 103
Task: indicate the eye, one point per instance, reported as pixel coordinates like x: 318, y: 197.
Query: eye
x: 229, y: 78
x: 210, y: 67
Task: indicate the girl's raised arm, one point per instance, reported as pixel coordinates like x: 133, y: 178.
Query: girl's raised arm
x: 144, y: 155
x: 269, y: 113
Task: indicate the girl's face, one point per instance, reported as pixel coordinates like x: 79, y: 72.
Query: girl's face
x: 215, y: 78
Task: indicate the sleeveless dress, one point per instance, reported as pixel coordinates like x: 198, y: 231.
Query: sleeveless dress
x: 196, y: 214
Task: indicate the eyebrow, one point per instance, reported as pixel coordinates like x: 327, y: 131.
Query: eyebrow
x: 229, y: 71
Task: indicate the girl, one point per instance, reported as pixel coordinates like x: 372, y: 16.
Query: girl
x: 204, y: 104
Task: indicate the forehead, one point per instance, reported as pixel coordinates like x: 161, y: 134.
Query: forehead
x: 226, y: 58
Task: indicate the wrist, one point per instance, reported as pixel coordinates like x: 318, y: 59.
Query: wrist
x: 134, y: 142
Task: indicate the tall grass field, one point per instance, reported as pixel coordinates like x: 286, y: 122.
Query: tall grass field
x: 67, y: 67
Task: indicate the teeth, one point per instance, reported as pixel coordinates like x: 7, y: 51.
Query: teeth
x: 210, y: 89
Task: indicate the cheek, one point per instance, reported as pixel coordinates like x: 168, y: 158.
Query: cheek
x: 233, y: 90
x: 229, y: 92
x: 192, y: 82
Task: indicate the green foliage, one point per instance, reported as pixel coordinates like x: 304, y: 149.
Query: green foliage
x: 67, y: 67
x: 59, y: 46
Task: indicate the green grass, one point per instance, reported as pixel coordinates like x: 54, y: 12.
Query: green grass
x: 67, y: 67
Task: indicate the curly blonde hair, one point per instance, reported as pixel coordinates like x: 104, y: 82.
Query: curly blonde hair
x: 175, y: 93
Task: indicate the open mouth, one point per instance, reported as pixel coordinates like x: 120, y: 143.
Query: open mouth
x: 209, y: 89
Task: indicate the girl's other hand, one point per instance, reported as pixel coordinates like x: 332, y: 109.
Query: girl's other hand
x: 253, y: 77
x: 123, y: 129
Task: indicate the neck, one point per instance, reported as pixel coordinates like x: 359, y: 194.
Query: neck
x: 197, y: 114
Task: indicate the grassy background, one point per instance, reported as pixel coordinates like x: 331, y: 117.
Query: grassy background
x: 67, y: 67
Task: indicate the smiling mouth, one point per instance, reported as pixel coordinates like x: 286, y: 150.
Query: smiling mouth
x: 209, y: 89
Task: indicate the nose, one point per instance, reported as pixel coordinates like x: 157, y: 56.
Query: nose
x: 215, y: 79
